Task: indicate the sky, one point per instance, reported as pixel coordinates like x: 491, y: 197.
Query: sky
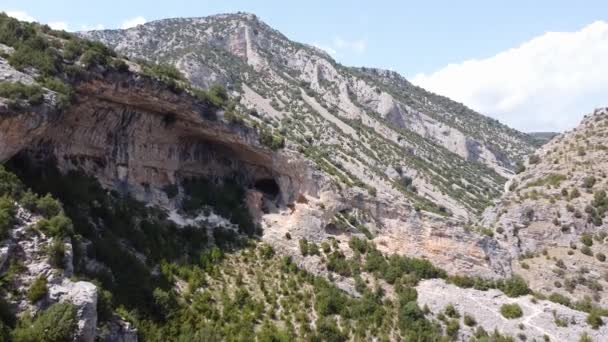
x: 534, y: 65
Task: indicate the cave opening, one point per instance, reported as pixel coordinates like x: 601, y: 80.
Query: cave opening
x: 268, y: 186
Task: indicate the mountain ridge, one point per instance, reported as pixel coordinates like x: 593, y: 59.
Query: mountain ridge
x: 351, y: 98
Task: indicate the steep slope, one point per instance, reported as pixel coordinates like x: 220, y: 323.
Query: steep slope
x: 554, y: 214
x: 367, y: 127
x: 163, y: 194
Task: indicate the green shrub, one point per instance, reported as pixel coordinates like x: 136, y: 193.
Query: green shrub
x: 56, y: 253
x: 514, y: 287
x: 337, y: 263
x: 594, y: 319
x: 7, y: 215
x: 511, y: 311
x: 328, y: 330
x: 44, y: 60
x: 587, y: 251
x: 274, y: 141
x: 33, y: 94
x: 451, y: 311
x: 72, y: 49
x: 585, y: 338
x: 57, y: 226
x: 589, y: 182
x: 469, y: 320
x: 560, y: 299
x: 37, y: 290
x: 303, y: 246
x: 92, y: 58
x: 47, y: 206
x: 587, y: 239
x: 164, y: 71
x: 452, y: 328
x: 358, y: 245
x: 56, y: 324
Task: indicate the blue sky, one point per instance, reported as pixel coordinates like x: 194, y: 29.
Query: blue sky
x: 419, y: 39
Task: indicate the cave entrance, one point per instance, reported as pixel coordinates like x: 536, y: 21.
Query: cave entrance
x: 268, y: 186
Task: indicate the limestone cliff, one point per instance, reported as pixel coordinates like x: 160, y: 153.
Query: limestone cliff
x: 137, y: 136
x: 366, y: 127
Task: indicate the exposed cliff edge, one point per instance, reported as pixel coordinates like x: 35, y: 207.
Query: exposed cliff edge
x: 138, y: 136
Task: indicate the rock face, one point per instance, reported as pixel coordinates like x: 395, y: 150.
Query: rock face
x: 373, y: 126
x: 557, y: 207
x: 137, y: 136
x: 539, y: 319
x: 28, y: 248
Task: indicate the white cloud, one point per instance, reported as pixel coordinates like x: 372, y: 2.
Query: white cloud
x: 139, y: 20
x: 59, y: 25
x: 547, y: 83
x: 23, y: 16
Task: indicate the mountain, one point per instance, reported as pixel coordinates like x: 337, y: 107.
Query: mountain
x: 138, y: 204
x: 364, y: 125
x: 554, y: 214
x: 542, y: 138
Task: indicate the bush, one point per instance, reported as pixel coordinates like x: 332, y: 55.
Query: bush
x: 559, y: 299
x: 595, y: 319
x: 37, y: 290
x: 7, y: 215
x: 586, y: 250
x: 469, y: 320
x: 92, y: 58
x: 515, y: 287
x: 587, y: 240
x: 58, y: 226
x: 28, y: 200
x: 451, y: 311
x: 56, y: 324
x: 303, y: 246
x: 327, y: 330
x: 589, y: 182
x: 452, y: 328
x: 33, y: 94
x: 56, y: 253
x: 511, y: 311
x: 357, y: 244
x: 600, y: 256
x: 47, y: 206
x: 274, y: 141
x: 43, y: 59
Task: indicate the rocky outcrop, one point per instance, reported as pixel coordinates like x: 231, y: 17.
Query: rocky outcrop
x: 539, y: 319
x: 364, y: 121
x: 553, y: 214
x: 28, y: 247
x: 137, y: 136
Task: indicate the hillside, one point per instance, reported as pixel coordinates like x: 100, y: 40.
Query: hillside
x: 367, y: 127
x: 554, y: 214
x: 136, y: 206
